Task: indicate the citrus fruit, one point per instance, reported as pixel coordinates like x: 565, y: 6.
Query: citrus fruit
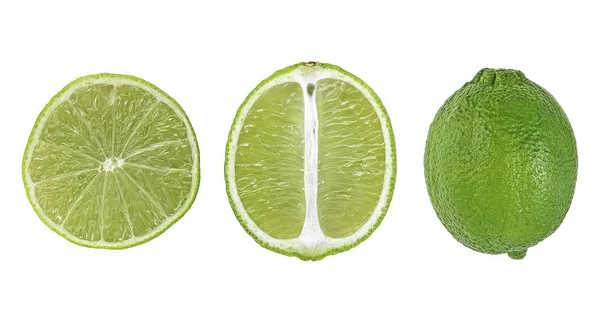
x: 112, y: 162
x: 501, y: 163
x: 310, y: 161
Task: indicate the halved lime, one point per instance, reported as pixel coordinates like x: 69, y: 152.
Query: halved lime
x: 310, y: 161
x: 112, y: 162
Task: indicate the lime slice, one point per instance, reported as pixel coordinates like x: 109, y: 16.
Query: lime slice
x: 112, y: 162
x: 310, y: 163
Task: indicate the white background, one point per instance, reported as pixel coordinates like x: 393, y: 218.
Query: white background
x: 209, y: 56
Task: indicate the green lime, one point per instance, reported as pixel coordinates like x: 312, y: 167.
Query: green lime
x: 310, y: 163
x: 112, y: 162
x: 501, y: 163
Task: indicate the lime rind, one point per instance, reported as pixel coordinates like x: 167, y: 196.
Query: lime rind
x: 286, y: 246
x: 110, y: 79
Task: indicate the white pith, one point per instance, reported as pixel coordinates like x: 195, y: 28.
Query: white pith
x: 109, y: 164
x: 311, y: 234
x: 312, y: 241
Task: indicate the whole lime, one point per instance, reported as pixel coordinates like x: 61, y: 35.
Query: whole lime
x: 501, y: 163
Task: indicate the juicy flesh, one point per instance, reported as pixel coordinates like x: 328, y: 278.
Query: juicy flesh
x: 351, y: 158
x: 350, y: 166
x: 270, y: 162
x: 112, y: 163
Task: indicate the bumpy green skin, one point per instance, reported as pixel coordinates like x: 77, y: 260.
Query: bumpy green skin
x: 501, y: 163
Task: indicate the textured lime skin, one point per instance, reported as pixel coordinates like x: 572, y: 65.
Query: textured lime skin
x: 501, y: 163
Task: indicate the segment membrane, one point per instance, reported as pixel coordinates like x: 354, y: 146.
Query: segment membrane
x: 269, y: 161
x: 83, y: 217
x: 143, y: 209
x: 171, y: 188
x: 66, y: 129
x: 58, y: 196
x: 116, y: 225
x: 92, y: 107
x: 51, y: 161
x: 171, y: 154
x: 351, y: 158
x: 132, y: 106
x: 159, y: 125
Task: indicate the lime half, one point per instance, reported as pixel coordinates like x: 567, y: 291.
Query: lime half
x: 111, y: 162
x: 310, y: 161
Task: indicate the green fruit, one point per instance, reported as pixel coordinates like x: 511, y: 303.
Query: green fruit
x: 112, y: 162
x: 501, y: 163
x: 310, y: 163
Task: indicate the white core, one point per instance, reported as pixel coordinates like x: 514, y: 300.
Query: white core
x: 311, y: 234
x: 110, y: 164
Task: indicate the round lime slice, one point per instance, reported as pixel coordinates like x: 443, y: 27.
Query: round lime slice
x: 310, y: 161
x: 112, y: 162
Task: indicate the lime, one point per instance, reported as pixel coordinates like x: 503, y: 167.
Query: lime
x: 501, y: 163
x: 310, y: 161
x: 112, y: 162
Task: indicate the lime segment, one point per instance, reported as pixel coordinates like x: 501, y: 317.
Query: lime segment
x: 269, y: 162
x: 352, y: 158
